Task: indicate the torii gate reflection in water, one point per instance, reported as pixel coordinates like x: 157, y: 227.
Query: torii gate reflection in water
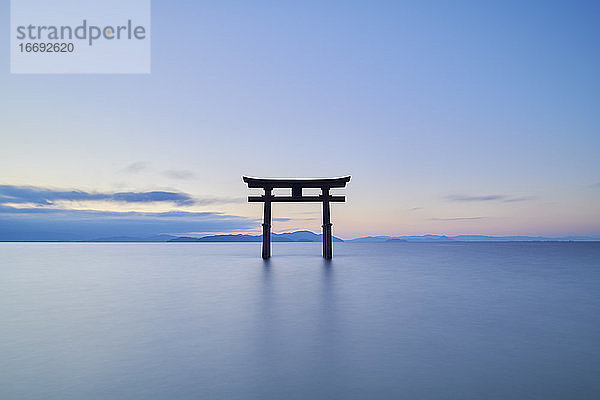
x: 296, y: 185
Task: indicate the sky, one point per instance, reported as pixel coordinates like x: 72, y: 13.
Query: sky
x: 452, y: 117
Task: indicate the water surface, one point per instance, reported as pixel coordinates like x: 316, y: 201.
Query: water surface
x: 213, y: 320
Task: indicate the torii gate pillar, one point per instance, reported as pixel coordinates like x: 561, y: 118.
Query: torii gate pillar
x: 266, y: 236
x: 297, y: 185
x: 327, y: 238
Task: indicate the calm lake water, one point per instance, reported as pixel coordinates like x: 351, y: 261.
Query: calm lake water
x: 381, y: 321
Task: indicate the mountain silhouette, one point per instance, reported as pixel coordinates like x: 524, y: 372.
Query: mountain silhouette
x: 298, y: 236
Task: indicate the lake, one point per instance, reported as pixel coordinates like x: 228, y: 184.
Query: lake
x: 172, y: 321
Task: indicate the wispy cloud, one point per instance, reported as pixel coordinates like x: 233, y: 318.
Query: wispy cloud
x: 457, y: 219
x: 517, y: 199
x: 415, y: 208
x: 58, y: 224
x: 136, y: 167
x: 181, y: 174
x: 42, y: 196
x: 45, y: 197
x: 491, y: 197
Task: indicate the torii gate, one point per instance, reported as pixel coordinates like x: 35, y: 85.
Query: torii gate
x: 296, y: 185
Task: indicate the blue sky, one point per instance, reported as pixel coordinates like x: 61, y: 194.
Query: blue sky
x: 451, y: 117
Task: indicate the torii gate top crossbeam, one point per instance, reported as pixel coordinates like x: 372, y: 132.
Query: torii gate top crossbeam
x: 296, y: 185
x: 290, y: 183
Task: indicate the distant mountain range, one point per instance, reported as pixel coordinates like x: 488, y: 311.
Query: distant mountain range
x: 308, y: 236
x: 298, y: 236
x: 152, y: 239
x: 469, y: 238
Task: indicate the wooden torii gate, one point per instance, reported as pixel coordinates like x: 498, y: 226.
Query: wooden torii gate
x: 297, y: 185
